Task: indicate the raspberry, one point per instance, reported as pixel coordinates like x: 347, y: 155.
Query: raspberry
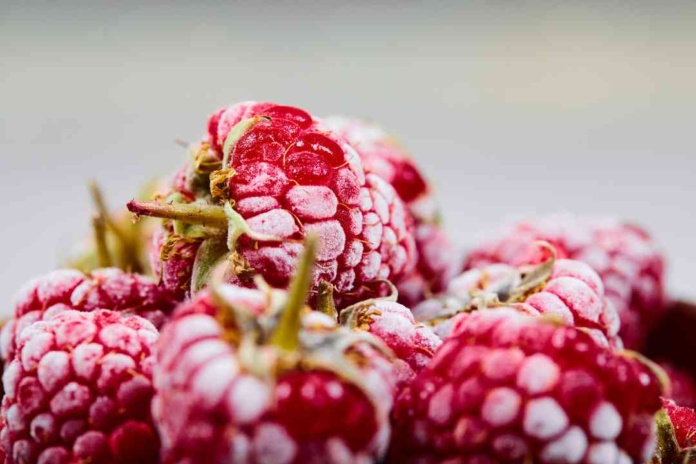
x: 566, y: 289
x: 245, y: 375
x: 280, y: 174
x: 508, y: 387
x: 63, y: 289
x: 413, y: 344
x: 676, y: 434
x: 79, y: 390
x: 382, y: 155
x: 625, y: 257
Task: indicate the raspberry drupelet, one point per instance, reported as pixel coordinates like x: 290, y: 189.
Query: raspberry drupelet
x: 79, y: 390
x: 624, y: 255
x: 250, y: 376
x: 265, y: 177
x: 507, y: 387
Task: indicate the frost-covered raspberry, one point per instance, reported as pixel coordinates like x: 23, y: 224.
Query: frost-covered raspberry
x: 61, y: 289
x: 628, y: 261
x: 413, y: 344
x: 676, y: 434
x: 79, y: 390
x: 247, y: 375
x: 267, y: 176
x: 565, y: 289
x: 382, y: 155
x: 508, y: 387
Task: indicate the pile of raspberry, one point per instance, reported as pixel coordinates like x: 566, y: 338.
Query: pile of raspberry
x: 306, y: 304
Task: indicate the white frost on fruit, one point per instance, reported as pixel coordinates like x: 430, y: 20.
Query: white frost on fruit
x: 544, y: 418
x: 605, y: 422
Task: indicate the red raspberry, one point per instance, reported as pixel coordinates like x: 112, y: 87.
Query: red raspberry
x: 286, y: 174
x: 268, y: 393
x: 507, y: 387
x: 79, y: 390
x: 413, y: 344
x: 681, y: 422
x: 627, y: 260
x: 566, y: 289
x: 62, y: 289
x: 381, y: 154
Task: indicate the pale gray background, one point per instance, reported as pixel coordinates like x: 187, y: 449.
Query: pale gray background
x: 513, y: 107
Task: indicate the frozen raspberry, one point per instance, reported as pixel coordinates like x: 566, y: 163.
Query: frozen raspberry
x: 413, y: 344
x: 246, y: 375
x: 268, y: 175
x: 79, y: 390
x: 565, y: 289
x: 676, y: 434
x: 509, y: 388
x: 382, y: 155
x: 625, y: 257
x: 63, y: 289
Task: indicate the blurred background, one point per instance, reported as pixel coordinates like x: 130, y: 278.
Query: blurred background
x: 514, y: 108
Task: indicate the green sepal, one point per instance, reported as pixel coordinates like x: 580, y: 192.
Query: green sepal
x: 211, y: 253
x: 668, y: 450
x: 236, y: 133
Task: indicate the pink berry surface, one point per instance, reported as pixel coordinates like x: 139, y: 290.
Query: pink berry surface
x: 509, y: 387
x: 79, y: 390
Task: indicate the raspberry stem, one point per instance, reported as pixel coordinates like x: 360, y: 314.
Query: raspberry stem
x: 129, y: 244
x: 286, y: 335
x: 191, y: 213
x: 103, y: 254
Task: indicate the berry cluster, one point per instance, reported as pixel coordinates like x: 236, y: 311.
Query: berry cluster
x: 303, y: 303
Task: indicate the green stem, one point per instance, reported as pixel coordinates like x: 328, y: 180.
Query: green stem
x: 128, y: 243
x: 103, y: 253
x: 190, y: 213
x: 286, y: 335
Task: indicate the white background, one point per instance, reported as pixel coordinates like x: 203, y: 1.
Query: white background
x: 513, y: 108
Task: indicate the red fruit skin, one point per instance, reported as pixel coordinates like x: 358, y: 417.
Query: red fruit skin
x: 79, y: 390
x: 628, y: 261
x: 208, y: 410
x: 508, y: 387
x: 684, y: 422
x: 293, y: 176
x: 438, y: 260
x: 108, y: 288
